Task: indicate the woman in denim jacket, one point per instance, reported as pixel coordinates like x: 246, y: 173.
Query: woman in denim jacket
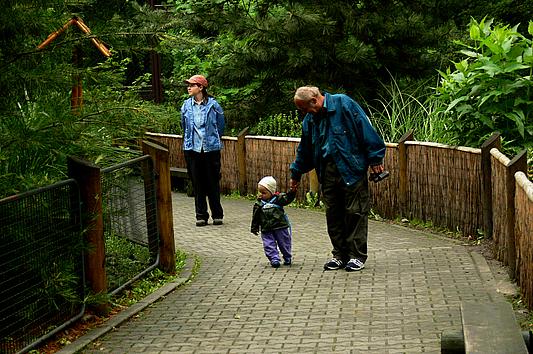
x: 202, y: 120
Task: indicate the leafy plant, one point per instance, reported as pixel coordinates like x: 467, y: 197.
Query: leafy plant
x: 490, y: 89
x: 124, y: 259
x: 149, y: 283
x: 279, y: 125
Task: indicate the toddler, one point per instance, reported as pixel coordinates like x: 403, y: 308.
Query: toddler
x: 269, y: 217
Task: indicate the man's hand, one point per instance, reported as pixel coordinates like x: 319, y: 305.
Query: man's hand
x: 294, y: 185
x: 377, y: 169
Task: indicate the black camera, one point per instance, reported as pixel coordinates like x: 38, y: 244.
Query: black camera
x: 376, y: 177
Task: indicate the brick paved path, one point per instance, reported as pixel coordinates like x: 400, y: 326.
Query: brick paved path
x: 406, y: 296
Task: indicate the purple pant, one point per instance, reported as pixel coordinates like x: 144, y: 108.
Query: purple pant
x: 272, y: 240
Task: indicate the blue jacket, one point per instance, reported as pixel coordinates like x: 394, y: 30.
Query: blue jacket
x: 214, y: 124
x: 353, y: 143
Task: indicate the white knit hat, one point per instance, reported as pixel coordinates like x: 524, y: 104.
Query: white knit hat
x: 269, y: 183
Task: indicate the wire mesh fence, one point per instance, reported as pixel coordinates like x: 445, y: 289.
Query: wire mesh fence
x: 41, y: 265
x: 130, y: 221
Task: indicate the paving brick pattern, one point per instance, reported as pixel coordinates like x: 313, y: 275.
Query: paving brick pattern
x: 406, y: 296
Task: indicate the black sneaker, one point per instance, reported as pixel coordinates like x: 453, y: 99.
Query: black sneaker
x: 354, y: 265
x: 275, y: 264
x: 333, y: 264
x: 201, y: 222
x: 218, y: 221
x: 287, y: 262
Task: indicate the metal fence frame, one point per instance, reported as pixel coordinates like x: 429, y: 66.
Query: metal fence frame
x: 150, y: 208
x: 13, y: 223
x: 39, y: 206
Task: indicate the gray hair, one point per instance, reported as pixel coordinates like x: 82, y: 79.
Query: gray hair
x: 306, y: 93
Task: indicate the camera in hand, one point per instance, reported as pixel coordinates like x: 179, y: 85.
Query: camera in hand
x: 376, y: 177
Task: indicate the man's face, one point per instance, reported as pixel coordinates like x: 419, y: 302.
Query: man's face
x: 311, y: 106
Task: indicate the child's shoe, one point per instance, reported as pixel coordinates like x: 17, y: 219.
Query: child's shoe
x: 287, y: 261
x: 275, y: 264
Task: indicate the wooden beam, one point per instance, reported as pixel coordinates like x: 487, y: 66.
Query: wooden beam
x: 167, y: 253
x: 518, y: 163
x: 241, y: 161
x: 87, y: 175
x: 493, y: 141
x: 402, y: 160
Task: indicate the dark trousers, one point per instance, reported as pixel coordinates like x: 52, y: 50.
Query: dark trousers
x: 347, y: 210
x: 204, y: 171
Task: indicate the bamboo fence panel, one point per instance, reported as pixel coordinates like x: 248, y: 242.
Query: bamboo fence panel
x: 257, y: 168
x: 499, y: 163
x: 229, y: 169
x: 524, y: 235
x: 228, y: 159
x: 175, y: 147
x: 272, y: 156
x: 444, y: 186
x: 385, y: 194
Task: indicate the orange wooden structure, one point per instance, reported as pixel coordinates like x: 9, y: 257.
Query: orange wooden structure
x: 77, y: 91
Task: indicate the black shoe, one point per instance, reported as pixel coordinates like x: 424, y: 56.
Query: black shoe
x: 275, y: 264
x: 333, y: 264
x: 287, y: 262
x: 201, y: 222
x: 218, y: 221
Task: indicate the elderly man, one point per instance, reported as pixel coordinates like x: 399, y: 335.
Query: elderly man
x: 340, y: 143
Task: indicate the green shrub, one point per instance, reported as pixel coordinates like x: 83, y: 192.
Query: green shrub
x: 490, y: 89
x: 279, y: 125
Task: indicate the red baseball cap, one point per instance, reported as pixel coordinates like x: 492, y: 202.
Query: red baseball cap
x: 197, y: 79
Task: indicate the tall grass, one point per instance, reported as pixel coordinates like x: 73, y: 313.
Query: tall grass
x: 400, y: 108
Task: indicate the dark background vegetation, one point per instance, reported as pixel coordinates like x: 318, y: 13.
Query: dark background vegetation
x: 254, y: 53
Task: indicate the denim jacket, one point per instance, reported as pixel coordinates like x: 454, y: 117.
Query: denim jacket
x: 214, y: 124
x: 353, y: 143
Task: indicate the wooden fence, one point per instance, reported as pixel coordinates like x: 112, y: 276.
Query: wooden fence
x: 262, y: 156
x: 523, y: 233
x: 468, y: 190
x: 512, y: 218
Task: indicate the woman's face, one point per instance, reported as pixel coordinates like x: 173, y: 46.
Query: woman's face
x: 194, y: 89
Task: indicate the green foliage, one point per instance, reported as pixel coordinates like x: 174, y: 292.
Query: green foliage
x: 407, y: 106
x: 279, y: 125
x: 491, y: 88
x: 38, y: 130
x: 124, y: 259
x: 149, y: 283
x: 256, y: 53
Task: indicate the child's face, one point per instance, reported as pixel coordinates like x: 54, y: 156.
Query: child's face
x: 263, y: 193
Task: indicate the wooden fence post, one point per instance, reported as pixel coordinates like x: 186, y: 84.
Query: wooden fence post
x: 167, y: 253
x: 241, y: 161
x: 402, y: 160
x: 518, y: 163
x: 493, y: 141
x: 314, y: 186
x: 87, y: 175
